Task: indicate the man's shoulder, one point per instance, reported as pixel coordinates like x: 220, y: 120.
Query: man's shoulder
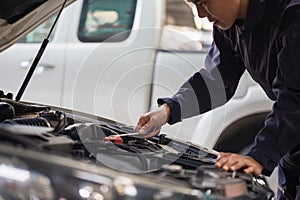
x: 290, y: 13
x: 292, y: 3
x: 290, y: 7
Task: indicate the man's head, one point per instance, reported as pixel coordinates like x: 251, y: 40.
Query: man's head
x: 222, y: 13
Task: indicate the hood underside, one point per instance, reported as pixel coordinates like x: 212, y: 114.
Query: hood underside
x: 19, y: 17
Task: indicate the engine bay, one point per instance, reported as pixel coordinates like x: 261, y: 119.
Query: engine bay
x: 68, y: 155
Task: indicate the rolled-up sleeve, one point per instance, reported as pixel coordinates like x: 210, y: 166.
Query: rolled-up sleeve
x: 281, y: 132
x: 210, y: 87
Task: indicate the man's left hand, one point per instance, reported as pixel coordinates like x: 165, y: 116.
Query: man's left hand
x: 233, y: 162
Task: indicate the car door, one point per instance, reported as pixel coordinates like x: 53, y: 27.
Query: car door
x: 46, y: 83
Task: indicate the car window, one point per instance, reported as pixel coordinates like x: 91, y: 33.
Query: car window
x: 102, y: 19
x: 40, y: 33
x: 178, y: 8
x: 183, y: 29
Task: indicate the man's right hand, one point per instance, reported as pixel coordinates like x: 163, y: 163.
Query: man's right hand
x: 233, y: 161
x: 150, y: 123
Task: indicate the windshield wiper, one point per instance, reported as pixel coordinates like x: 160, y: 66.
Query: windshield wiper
x: 38, y: 57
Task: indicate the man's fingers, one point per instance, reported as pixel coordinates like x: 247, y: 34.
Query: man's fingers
x: 229, y: 161
x: 221, y: 162
x: 142, y: 121
x: 222, y: 155
x: 145, y: 126
x: 249, y: 170
x: 147, y: 133
x: 239, y: 164
x: 231, y: 164
x: 149, y: 130
x: 235, y: 162
x: 150, y: 124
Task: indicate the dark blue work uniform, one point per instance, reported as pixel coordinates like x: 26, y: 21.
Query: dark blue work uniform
x: 267, y: 45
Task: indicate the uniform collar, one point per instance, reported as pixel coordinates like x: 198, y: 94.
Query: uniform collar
x: 293, y: 3
x: 255, y: 13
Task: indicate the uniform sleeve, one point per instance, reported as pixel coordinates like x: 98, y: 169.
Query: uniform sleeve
x: 281, y: 132
x: 209, y: 88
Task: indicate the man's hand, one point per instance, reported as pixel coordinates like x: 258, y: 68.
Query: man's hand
x: 232, y: 161
x: 150, y: 123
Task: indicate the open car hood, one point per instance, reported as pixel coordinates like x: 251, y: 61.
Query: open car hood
x: 52, y: 153
x: 19, y: 17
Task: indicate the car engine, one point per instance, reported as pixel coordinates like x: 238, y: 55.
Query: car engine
x: 54, y: 153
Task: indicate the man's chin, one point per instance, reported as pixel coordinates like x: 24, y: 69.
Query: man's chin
x: 222, y: 26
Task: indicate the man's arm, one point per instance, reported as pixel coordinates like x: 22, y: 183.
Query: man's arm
x: 212, y: 86
x: 280, y: 133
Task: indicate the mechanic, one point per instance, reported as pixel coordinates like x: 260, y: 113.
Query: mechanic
x: 262, y: 37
